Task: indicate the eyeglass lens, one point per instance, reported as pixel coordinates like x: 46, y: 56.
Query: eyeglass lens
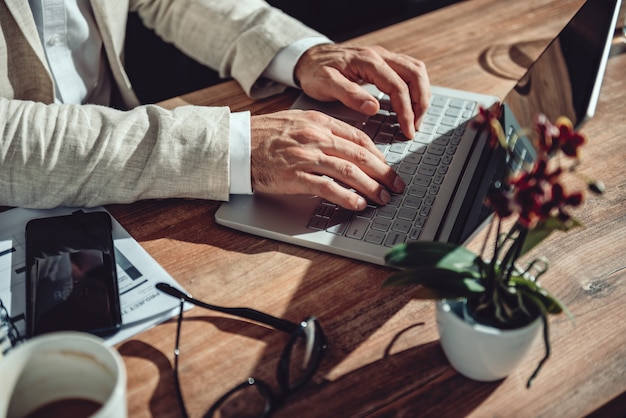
x: 299, y: 361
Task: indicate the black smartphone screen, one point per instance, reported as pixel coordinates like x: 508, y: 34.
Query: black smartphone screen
x: 71, y: 276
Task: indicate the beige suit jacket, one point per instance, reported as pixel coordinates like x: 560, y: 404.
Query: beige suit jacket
x: 87, y: 155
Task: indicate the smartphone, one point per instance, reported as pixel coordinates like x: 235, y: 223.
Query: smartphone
x: 71, y: 275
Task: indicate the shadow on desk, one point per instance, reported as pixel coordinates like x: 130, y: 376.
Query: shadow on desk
x: 344, y: 294
x: 381, y: 388
x: 413, y: 382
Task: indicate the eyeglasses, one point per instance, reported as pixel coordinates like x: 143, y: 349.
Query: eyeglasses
x: 298, y: 362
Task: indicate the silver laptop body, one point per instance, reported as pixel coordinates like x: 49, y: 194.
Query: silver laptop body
x: 448, y: 166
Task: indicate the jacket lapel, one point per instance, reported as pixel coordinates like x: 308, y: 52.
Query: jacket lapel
x: 111, y: 17
x: 24, y: 17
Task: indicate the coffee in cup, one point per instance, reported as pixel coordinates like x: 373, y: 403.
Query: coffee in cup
x: 63, y: 374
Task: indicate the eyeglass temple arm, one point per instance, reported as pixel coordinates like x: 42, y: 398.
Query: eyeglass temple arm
x: 248, y: 313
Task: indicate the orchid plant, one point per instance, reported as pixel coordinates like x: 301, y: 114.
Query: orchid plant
x: 498, y: 290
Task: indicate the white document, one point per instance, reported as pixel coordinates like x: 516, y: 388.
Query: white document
x: 143, y: 306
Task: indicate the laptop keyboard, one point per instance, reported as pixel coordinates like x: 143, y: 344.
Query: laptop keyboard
x: 422, y: 162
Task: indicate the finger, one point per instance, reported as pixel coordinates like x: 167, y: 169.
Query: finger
x: 351, y: 93
x: 354, y: 166
x: 386, y: 79
x: 356, y: 136
x: 330, y: 190
x: 403, y: 78
x: 359, y: 150
x: 345, y: 184
x: 413, y: 72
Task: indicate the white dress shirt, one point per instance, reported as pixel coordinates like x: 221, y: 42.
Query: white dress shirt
x: 76, y: 58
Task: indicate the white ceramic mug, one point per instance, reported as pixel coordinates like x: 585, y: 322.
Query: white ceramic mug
x: 71, y: 367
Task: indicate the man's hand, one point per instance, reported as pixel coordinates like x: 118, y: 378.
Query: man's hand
x: 291, y: 151
x: 334, y: 72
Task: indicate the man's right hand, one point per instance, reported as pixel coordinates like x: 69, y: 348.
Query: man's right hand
x: 292, y: 151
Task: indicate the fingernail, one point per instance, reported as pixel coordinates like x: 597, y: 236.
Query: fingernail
x: 385, y: 197
x: 361, y: 204
x: 399, y: 185
x: 369, y: 108
x: 411, y: 132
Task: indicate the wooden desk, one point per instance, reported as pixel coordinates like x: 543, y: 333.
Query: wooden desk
x: 384, y: 357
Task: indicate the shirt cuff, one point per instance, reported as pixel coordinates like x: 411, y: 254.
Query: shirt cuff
x: 240, y: 174
x: 282, y: 67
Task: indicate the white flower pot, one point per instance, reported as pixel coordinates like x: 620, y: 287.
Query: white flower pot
x: 478, y: 351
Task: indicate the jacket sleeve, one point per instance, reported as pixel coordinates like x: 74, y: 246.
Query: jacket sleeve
x: 68, y: 155
x: 238, y: 38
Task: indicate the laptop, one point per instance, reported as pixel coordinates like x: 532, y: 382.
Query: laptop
x: 448, y: 166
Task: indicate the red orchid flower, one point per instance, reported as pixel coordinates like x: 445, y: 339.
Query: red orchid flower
x: 559, y: 136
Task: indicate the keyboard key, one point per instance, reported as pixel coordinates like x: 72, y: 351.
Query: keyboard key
x: 421, y: 180
x: 436, y: 149
x: 427, y: 170
x: 399, y: 147
x: 412, y: 202
x: 415, y: 190
x: 367, y: 213
x: 383, y: 138
x: 393, y: 158
x: 441, y: 140
x: 435, y: 110
x: 395, y: 238
x: 339, y: 222
x: 396, y: 200
x: 386, y: 212
x: 413, y: 158
x: 431, y: 159
x: 430, y: 119
x: 381, y: 224
x: 417, y: 148
x: 357, y: 228
x: 426, y: 128
x: 400, y: 225
x: 375, y: 237
x: 407, y: 214
x: 415, y: 233
x: 407, y: 178
x: 443, y: 130
x: 457, y: 103
x: 317, y: 222
x: 407, y: 168
x: 453, y: 113
x: 448, y: 121
x: 371, y: 129
x: 389, y: 129
x: 439, y: 101
x: 383, y: 148
x: 420, y: 221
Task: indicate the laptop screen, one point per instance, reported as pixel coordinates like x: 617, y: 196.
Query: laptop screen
x: 565, y: 80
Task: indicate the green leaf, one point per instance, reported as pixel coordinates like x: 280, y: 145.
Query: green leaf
x: 414, y: 254
x: 544, y: 228
x: 549, y: 303
x: 437, y: 283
